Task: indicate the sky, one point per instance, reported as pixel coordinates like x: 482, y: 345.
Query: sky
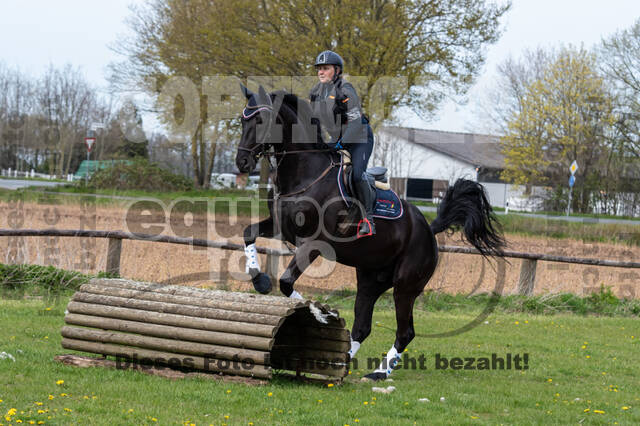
x: 37, y: 33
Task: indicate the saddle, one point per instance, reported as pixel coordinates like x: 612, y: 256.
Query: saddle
x: 377, y: 176
x: 387, y: 204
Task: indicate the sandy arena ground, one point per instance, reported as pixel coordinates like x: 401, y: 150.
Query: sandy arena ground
x: 170, y: 263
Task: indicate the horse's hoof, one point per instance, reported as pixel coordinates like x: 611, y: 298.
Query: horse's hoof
x: 262, y: 283
x: 376, y: 377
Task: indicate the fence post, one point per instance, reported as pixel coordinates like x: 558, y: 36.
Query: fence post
x: 113, y: 256
x: 271, y: 268
x: 527, y: 277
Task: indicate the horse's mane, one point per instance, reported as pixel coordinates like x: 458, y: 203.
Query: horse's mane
x: 302, y: 110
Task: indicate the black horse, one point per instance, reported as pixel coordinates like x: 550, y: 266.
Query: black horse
x: 308, y: 211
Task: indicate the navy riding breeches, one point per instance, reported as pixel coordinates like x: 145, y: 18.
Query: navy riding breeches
x: 360, y: 153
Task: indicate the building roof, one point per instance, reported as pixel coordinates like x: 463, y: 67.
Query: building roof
x: 476, y: 150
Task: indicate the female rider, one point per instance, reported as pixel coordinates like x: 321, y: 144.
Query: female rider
x: 335, y: 103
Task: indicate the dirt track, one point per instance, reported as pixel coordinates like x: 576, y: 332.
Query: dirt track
x: 159, y: 262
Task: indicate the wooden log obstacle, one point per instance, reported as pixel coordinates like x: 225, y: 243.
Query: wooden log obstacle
x: 209, y: 330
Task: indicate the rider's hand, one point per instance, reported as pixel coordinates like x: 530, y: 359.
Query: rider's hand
x: 337, y: 145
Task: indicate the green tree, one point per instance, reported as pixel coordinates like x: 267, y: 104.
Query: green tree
x: 435, y: 47
x: 566, y: 115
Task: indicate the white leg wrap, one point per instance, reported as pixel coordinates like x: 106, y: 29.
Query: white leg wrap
x: 252, y: 258
x: 389, y: 362
x: 354, y: 348
x: 295, y: 295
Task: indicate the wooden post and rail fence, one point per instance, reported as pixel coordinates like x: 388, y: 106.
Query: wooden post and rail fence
x: 525, y: 287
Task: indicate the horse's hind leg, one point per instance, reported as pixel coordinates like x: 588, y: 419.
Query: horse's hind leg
x: 265, y: 229
x: 371, y: 285
x: 409, y: 281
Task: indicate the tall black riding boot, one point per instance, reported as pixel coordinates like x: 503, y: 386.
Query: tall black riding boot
x: 366, y: 226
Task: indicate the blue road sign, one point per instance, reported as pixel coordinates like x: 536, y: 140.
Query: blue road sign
x: 572, y: 180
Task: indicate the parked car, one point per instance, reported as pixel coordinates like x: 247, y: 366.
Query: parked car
x: 223, y: 180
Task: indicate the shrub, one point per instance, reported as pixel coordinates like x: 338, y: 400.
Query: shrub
x: 139, y: 174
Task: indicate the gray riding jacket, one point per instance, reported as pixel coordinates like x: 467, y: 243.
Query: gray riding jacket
x: 337, y: 106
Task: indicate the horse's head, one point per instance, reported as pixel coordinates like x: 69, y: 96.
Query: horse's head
x: 257, y: 120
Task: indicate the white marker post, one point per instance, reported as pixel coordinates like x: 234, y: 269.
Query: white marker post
x: 572, y: 180
x: 89, y: 141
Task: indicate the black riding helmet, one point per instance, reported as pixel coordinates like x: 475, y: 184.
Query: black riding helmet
x: 329, y: 57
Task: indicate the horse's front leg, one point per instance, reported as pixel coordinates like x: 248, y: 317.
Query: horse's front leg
x: 301, y: 260
x: 261, y: 281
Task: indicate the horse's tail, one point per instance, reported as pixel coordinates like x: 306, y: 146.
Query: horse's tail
x: 465, y: 205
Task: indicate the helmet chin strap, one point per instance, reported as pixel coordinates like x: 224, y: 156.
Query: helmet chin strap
x: 336, y: 74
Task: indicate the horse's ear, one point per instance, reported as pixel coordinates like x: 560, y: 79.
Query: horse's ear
x: 247, y: 93
x: 265, y: 99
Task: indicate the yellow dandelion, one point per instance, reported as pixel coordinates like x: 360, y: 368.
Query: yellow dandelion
x: 366, y: 403
x: 226, y: 417
x: 625, y: 408
x: 330, y: 385
x: 63, y: 394
x: 270, y: 394
x: 599, y: 411
x: 85, y: 397
x: 228, y: 390
x: 588, y: 356
x: 474, y: 417
x: 406, y: 403
x: 41, y: 411
x: 320, y: 401
x: 40, y: 422
x: 356, y: 420
x: 51, y: 397
x: 153, y: 419
x: 584, y: 346
x: 18, y: 421
x: 31, y: 422
x: 526, y: 322
x: 549, y: 380
x: 47, y: 309
x: 68, y: 410
x: 38, y: 404
x: 586, y: 410
x: 517, y: 322
x: 60, y: 382
x: 557, y: 394
x: 349, y: 371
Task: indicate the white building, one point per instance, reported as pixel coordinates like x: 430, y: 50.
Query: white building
x: 422, y: 163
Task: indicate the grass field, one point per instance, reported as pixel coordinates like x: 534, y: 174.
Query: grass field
x: 582, y: 369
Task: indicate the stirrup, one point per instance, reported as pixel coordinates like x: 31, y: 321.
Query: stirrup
x: 358, y: 234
